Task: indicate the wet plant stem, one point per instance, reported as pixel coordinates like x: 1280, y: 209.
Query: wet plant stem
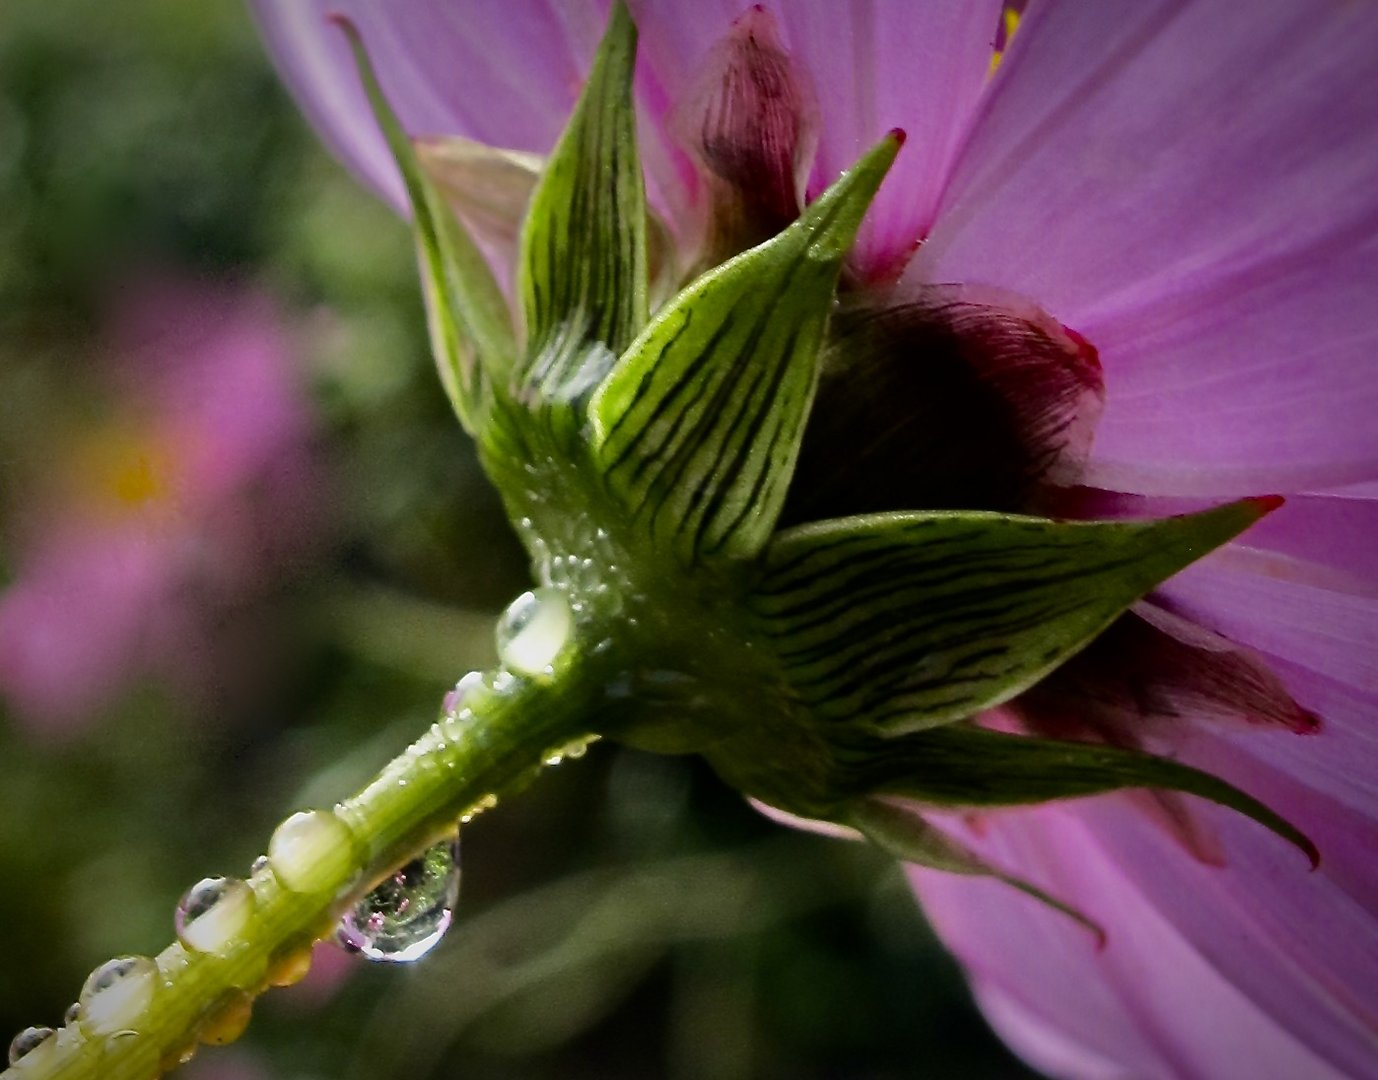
x: 505, y: 730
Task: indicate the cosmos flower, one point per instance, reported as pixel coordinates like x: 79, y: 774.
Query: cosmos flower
x: 144, y: 530
x: 1125, y: 270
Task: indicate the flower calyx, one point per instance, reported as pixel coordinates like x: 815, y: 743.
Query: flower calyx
x: 646, y: 458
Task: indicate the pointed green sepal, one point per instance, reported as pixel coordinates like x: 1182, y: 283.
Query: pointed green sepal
x: 583, y: 267
x: 466, y: 311
x: 900, y: 622
x: 965, y: 766
x: 697, y: 428
x: 907, y: 836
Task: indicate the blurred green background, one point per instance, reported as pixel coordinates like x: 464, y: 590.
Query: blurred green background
x: 627, y: 917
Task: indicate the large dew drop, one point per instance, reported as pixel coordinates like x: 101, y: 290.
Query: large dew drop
x: 117, y: 994
x: 27, y: 1041
x: 405, y: 917
x: 534, y: 630
x: 213, y: 914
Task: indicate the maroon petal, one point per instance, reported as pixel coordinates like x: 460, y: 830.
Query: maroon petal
x: 952, y: 397
x: 751, y: 121
x: 1143, y: 684
x: 1152, y: 669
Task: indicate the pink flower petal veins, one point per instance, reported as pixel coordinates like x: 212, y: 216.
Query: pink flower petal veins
x: 1172, y: 1009
x: 1001, y: 401
x: 751, y: 121
x: 1194, y: 191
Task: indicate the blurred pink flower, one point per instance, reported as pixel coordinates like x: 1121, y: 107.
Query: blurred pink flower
x: 1193, y: 187
x: 140, y: 531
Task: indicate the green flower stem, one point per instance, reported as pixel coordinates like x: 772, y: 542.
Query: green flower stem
x: 495, y: 746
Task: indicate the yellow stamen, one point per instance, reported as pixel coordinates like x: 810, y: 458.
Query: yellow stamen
x: 1009, y: 19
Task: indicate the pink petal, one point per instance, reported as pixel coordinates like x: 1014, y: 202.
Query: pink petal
x: 882, y: 64
x: 1159, y: 1001
x: 1348, y: 736
x: 506, y: 74
x: 1197, y: 192
x: 74, y: 624
x: 1303, y: 946
x: 1326, y: 630
x: 1042, y: 1043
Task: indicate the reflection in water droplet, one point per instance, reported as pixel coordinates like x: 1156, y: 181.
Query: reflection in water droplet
x: 213, y: 914
x: 117, y: 994
x: 311, y: 850
x: 534, y: 630
x: 405, y: 917
x: 27, y: 1041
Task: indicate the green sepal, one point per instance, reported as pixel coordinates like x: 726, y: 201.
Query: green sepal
x: 582, y: 273
x: 908, y: 837
x: 489, y: 189
x: 965, y: 766
x: 697, y: 428
x: 901, y: 622
x: 466, y: 312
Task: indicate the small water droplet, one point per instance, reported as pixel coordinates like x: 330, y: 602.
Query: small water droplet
x: 27, y: 1041
x: 181, y: 1056
x: 213, y: 914
x: 311, y: 850
x: 463, y: 689
x: 579, y: 747
x: 486, y: 803
x: 290, y: 967
x: 454, y: 699
x: 405, y: 917
x: 117, y: 993
x: 228, y: 1019
x: 259, y: 865
x: 534, y: 630
x: 73, y: 1013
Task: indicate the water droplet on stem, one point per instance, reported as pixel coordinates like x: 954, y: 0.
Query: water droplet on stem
x: 213, y: 914
x: 534, y: 630
x: 311, y: 850
x: 27, y: 1041
x: 454, y: 699
x: 117, y: 994
x: 405, y: 917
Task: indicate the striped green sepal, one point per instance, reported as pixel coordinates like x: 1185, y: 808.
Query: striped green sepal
x: 903, y: 833
x: 965, y: 766
x: 583, y: 270
x: 466, y: 312
x: 697, y: 428
x: 901, y: 622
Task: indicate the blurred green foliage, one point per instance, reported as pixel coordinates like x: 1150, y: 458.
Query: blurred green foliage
x: 627, y: 917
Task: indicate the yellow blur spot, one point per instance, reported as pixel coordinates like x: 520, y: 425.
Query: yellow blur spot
x: 135, y: 482
x: 1009, y: 19
x: 121, y: 471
